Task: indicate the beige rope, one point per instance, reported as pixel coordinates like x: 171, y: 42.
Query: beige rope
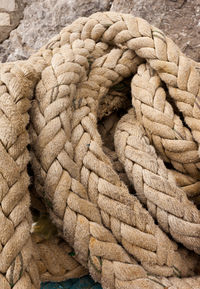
x: 112, y: 234
x: 17, y: 268
x: 54, y: 258
x: 55, y: 262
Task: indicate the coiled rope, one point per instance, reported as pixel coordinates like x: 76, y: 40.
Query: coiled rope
x: 123, y: 243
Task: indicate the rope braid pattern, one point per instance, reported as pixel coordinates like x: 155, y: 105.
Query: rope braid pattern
x: 112, y: 234
x: 165, y: 129
x: 20, y: 261
x: 55, y: 262
x: 55, y: 259
x: 17, y: 269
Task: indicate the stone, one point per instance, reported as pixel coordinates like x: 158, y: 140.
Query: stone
x: 7, y: 5
x: 11, y: 11
x: 4, y: 19
x: 179, y: 19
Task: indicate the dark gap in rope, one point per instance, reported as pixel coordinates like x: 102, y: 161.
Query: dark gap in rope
x: 169, y: 165
x: 114, y: 105
x: 174, y: 106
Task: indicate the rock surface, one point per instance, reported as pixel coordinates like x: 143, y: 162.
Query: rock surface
x: 179, y: 19
x: 10, y: 14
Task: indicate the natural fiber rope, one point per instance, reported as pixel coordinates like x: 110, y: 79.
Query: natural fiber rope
x: 54, y: 258
x: 111, y: 233
x: 16, y: 264
x: 54, y: 261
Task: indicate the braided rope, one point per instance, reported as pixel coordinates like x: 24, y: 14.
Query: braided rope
x: 17, y: 268
x: 55, y: 261
x: 112, y: 234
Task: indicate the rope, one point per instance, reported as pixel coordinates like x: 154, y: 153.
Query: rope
x: 16, y: 264
x: 83, y: 184
x: 55, y: 262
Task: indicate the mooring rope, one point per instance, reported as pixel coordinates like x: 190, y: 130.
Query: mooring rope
x: 122, y: 243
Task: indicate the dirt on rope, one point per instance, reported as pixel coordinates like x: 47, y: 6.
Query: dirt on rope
x: 52, y: 110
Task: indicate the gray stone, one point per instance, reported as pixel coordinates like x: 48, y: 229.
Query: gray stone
x: 4, y: 19
x: 10, y: 14
x: 7, y: 5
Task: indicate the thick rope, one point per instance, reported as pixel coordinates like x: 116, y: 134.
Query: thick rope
x: 54, y: 258
x: 55, y: 261
x: 17, y: 267
x: 112, y: 234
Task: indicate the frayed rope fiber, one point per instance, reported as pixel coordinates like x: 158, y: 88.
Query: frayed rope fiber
x: 52, y: 109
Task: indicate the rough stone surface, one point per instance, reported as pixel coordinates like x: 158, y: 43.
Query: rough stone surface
x: 179, y: 19
x: 4, y: 19
x: 42, y: 20
x: 8, y: 5
x: 11, y: 11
